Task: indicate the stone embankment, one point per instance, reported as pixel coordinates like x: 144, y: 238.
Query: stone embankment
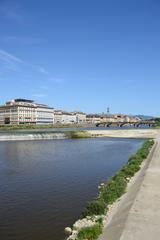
x: 136, y: 216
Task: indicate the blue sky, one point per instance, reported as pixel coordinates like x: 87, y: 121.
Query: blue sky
x: 82, y: 54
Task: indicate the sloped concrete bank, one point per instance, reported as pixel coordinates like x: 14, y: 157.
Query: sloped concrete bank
x: 136, y: 215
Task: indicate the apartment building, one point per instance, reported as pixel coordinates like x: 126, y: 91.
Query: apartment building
x: 80, y: 117
x: 44, y: 114
x: 93, y: 118
x: 23, y: 111
x: 57, y: 116
x: 63, y: 117
x: 68, y: 118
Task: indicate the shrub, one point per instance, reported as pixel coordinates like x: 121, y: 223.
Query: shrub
x: 114, y: 189
x: 130, y: 169
x: 135, y: 158
x: 96, y: 207
x: 90, y: 233
x: 77, y: 134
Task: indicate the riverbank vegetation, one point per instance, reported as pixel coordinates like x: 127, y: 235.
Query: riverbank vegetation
x: 110, y: 191
x: 34, y: 126
x: 90, y: 233
x: 157, y: 123
x: 77, y: 134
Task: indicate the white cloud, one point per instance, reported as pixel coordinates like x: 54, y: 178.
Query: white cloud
x: 43, y: 70
x: 9, y: 61
x: 7, y: 57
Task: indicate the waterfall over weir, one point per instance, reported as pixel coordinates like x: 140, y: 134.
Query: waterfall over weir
x: 31, y: 136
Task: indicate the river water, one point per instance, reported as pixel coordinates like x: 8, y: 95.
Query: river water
x: 44, y: 185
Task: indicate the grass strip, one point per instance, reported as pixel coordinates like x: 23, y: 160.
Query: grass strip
x: 157, y: 123
x: 77, y: 134
x: 34, y: 126
x: 90, y: 233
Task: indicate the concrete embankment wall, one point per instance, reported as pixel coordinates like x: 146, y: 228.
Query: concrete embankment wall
x: 133, y: 217
x: 30, y: 136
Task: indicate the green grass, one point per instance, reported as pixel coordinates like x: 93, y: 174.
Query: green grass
x: 95, y: 207
x: 112, y: 190
x: 77, y: 134
x: 34, y: 126
x: 157, y: 123
x: 116, y: 186
x: 90, y: 233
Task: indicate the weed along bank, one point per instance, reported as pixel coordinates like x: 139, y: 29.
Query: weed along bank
x: 93, y: 219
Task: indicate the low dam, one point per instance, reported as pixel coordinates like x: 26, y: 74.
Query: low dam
x: 19, y: 136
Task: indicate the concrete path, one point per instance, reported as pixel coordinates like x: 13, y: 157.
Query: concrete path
x: 137, y: 216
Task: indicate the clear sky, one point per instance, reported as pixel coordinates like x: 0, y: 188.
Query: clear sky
x: 82, y: 54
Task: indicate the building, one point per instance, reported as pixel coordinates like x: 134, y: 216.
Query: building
x: 108, y: 118
x: 80, y: 117
x: 68, y: 118
x: 44, y: 114
x: 57, y: 116
x: 23, y: 111
x: 93, y: 119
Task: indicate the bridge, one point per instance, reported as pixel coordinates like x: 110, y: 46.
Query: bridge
x: 149, y: 123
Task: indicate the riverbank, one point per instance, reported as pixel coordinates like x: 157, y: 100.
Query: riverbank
x: 129, y: 133
x: 136, y: 215
x: 39, y: 127
x: 94, y: 216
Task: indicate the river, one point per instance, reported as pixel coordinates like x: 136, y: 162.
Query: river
x: 44, y: 185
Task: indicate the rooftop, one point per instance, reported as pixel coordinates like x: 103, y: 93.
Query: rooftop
x: 23, y: 100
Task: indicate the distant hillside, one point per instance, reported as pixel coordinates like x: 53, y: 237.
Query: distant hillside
x: 144, y: 116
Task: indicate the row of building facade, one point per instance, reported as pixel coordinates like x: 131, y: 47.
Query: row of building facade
x: 111, y: 118
x: 23, y: 111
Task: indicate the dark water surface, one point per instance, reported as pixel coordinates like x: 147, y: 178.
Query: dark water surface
x: 44, y: 185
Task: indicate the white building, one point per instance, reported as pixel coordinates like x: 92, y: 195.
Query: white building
x: 68, y: 118
x: 23, y: 111
x: 57, y: 116
x: 44, y: 114
x: 80, y: 117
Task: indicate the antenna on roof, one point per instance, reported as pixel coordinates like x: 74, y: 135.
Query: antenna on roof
x: 108, y: 110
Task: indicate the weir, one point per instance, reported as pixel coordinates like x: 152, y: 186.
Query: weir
x: 30, y: 136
